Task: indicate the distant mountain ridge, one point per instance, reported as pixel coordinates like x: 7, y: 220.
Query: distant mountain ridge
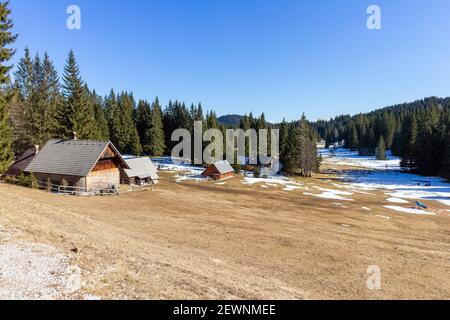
x: 230, y: 120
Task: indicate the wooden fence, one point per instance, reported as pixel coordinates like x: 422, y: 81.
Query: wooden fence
x: 59, y: 189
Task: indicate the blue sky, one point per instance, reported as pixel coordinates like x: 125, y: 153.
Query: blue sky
x: 279, y: 57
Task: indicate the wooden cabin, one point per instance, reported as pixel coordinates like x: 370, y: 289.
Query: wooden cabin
x: 219, y: 170
x: 88, y: 165
x: 142, y: 172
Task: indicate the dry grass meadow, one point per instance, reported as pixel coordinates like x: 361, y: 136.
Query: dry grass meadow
x: 207, y: 241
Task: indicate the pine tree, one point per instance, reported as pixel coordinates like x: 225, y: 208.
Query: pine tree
x: 352, y: 140
x: 6, y: 132
x: 284, y: 140
x: 44, y: 101
x: 445, y: 167
x: 155, y: 133
x: 380, y: 151
x: 142, y: 118
x: 409, y: 152
x: 6, y: 136
x: 426, y: 145
x: 20, y: 103
x: 23, y: 75
x: 21, y: 141
x: 126, y: 134
x: 6, y: 38
x: 100, y: 117
x: 112, y: 114
x: 302, y: 151
x: 77, y: 114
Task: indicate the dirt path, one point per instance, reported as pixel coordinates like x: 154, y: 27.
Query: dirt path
x: 30, y: 271
x: 202, y: 240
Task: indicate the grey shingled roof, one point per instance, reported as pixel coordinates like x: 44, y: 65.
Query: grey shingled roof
x: 223, y: 167
x: 68, y: 157
x: 142, y: 168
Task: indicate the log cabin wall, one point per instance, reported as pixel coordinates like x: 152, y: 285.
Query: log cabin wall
x: 102, y: 179
x: 106, y: 172
x: 57, y: 179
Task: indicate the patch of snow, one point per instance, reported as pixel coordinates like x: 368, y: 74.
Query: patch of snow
x: 221, y: 183
x: 366, y: 209
x: 339, y: 192
x: 272, y: 184
x: 271, y: 181
x: 288, y: 184
x: 383, y: 217
x: 328, y: 195
x: 185, y: 171
x: 344, y: 157
x: 346, y: 225
x: 291, y: 188
x: 397, y: 200
x: 401, y: 185
x: 186, y: 177
x: 410, y: 210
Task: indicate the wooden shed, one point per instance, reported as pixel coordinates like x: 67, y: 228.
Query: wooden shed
x: 219, y: 170
x: 88, y: 165
x: 142, y: 172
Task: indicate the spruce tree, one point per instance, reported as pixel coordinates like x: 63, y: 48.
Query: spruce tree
x: 142, y: 118
x: 44, y: 101
x: 21, y: 141
x: 6, y: 53
x: 23, y: 75
x: 126, y: 134
x: 409, y: 152
x: 77, y: 114
x: 302, y: 150
x: 113, y: 116
x: 284, y: 140
x: 6, y: 136
x: 380, y: 151
x: 20, y: 104
x: 155, y: 134
x: 100, y: 117
x: 445, y: 166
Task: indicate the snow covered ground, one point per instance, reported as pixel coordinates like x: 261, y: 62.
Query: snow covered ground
x: 331, y: 194
x: 400, y: 188
x: 386, y: 175
x: 184, y: 171
x: 409, y: 210
x: 277, y: 181
x: 344, y: 157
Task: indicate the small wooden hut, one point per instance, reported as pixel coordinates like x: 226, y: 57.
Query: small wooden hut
x: 142, y: 172
x: 219, y: 170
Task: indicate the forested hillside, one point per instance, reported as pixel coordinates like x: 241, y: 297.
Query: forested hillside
x: 418, y: 132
